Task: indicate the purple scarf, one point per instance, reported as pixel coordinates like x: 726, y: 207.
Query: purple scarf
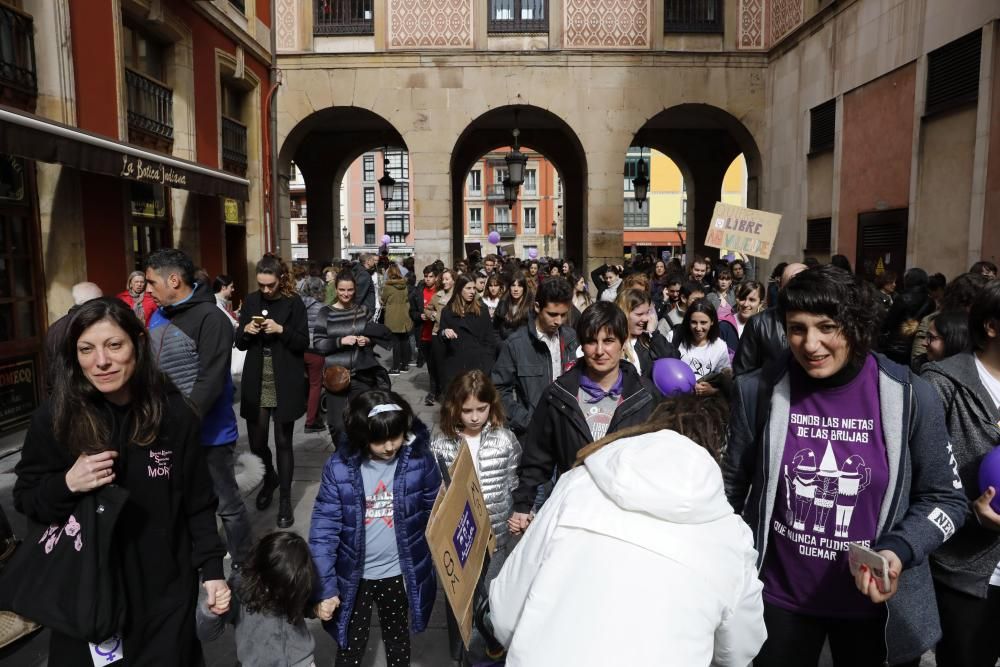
x: 595, y: 391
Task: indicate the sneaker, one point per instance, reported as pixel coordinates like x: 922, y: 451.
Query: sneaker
x: 317, y: 427
x: 404, y: 369
x: 429, y: 399
x: 393, y: 371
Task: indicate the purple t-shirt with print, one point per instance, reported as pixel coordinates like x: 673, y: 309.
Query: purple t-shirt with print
x: 834, y: 475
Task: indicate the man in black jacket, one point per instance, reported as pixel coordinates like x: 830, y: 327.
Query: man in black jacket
x: 763, y: 337
x: 600, y: 395
x: 364, y: 293
x: 535, y: 355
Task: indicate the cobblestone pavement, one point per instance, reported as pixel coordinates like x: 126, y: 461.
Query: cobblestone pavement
x: 430, y: 649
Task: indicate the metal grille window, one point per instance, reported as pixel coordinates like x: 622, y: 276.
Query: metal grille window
x: 818, y: 232
x: 530, y: 220
x: 475, y: 182
x: 399, y: 165
x: 369, y: 232
x: 369, y: 200
x: 518, y: 16
x: 17, y: 51
x: 953, y: 73
x: 635, y: 216
x: 475, y: 221
x: 344, y: 17
x: 400, y: 198
x: 822, y: 126
x: 369, y: 168
x: 693, y: 16
x: 397, y: 227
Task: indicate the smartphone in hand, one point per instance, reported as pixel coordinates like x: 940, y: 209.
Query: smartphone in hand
x: 859, y: 555
x: 258, y: 319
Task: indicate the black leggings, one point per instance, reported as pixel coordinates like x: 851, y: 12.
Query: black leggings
x: 393, y: 616
x: 257, y: 432
x: 968, y: 626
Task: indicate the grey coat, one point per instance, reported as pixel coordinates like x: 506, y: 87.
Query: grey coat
x: 499, y: 456
x: 966, y: 562
x: 923, y: 504
x: 262, y: 638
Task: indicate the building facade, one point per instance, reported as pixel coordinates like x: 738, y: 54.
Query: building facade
x: 873, y: 128
x: 125, y: 126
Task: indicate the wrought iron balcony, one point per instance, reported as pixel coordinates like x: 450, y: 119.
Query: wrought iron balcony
x: 494, y: 192
x: 693, y: 16
x: 150, y: 111
x: 506, y: 230
x: 343, y: 17
x: 518, y: 16
x: 234, y: 146
x: 18, y: 81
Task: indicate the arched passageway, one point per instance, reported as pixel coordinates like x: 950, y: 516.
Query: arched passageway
x: 703, y: 141
x: 323, y: 146
x: 547, y: 134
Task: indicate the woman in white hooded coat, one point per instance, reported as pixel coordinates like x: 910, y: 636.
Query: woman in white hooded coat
x: 636, y: 558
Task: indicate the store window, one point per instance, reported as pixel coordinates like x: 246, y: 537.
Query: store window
x: 150, y: 221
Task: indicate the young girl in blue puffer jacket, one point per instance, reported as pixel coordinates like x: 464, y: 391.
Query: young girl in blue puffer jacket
x: 367, y: 533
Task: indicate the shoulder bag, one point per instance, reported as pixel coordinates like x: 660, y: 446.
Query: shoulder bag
x: 337, y: 379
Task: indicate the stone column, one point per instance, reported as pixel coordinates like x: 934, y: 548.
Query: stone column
x: 321, y: 212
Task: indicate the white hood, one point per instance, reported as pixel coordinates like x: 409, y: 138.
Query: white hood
x: 663, y: 474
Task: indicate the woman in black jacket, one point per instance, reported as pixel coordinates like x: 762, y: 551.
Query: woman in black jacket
x: 115, y: 419
x: 468, y: 335
x: 347, y: 337
x: 274, y: 331
x: 512, y: 311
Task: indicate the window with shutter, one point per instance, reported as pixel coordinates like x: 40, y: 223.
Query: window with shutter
x: 953, y: 74
x: 822, y: 126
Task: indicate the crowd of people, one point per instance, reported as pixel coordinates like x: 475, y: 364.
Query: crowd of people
x: 632, y: 524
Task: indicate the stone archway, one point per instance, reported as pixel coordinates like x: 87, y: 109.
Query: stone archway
x: 703, y: 140
x: 547, y: 134
x: 323, y: 145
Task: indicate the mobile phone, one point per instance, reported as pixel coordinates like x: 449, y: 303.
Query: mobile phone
x: 859, y: 555
x: 258, y: 319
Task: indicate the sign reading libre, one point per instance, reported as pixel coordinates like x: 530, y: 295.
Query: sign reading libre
x: 743, y: 230
x: 151, y: 172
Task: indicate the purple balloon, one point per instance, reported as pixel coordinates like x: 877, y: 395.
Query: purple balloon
x: 494, y: 238
x: 989, y: 475
x: 673, y: 376
x: 533, y: 253
x: 386, y: 240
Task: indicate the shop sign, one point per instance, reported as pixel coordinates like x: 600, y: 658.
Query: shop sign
x: 231, y: 211
x: 11, y: 178
x: 145, y: 171
x: 743, y: 230
x: 18, y: 391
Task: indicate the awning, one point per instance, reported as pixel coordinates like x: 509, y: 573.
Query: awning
x: 653, y: 237
x: 29, y: 136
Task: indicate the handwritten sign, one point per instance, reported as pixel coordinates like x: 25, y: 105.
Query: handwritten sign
x: 151, y: 172
x: 743, y: 230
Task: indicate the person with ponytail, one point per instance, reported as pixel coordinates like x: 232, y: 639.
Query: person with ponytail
x: 274, y: 330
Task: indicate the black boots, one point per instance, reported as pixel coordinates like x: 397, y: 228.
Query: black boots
x: 285, y: 518
x: 267, y: 489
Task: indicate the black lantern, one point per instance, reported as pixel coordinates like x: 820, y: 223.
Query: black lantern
x: 516, y: 160
x: 509, y: 192
x: 386, y: 184
x: 640, y: 183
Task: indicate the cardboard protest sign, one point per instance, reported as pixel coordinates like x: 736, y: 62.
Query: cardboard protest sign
x: 459, y: 535
x: 506, y: 250
x: 743, y: 230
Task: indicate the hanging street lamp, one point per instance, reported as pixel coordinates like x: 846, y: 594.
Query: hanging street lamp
x: 509, y: 192
x: 386, y: 184
x: 640, y: 183
x: 516, y: 160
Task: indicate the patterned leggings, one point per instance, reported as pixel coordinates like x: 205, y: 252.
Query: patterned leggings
x: 393, y: 615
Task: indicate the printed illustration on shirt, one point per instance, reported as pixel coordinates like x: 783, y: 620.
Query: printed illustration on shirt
x: 378, y: 505
x: 812, y: 492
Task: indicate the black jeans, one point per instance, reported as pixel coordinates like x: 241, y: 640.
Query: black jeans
x: 393, y: 616
x: 796, y: 640
x: 231, y: 510
x: 257, y: 433
x: 968, y: 624
x: 400, y: 350
x: 427, y: 351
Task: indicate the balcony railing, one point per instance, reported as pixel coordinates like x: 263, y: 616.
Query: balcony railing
x: 344, y: 17
x: 150, y: 110
x: 518, y: 16
x: 234, y: 146
x: 506, y: 230
x: 494, y: 192
x: 18, y: 81
x: 693, y: 16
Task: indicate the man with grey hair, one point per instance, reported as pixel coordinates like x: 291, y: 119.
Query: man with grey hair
x: 763, y: 336
x: 54, y: 337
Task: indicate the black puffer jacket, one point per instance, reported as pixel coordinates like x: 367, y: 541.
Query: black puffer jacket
x: 558, y: 429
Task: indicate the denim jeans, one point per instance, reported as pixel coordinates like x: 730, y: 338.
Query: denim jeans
x: 231, y: 510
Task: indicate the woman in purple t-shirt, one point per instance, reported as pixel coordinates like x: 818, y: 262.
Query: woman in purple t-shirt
x: 835, y: 444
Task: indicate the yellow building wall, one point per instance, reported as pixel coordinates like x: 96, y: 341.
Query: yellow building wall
x: 665, y: 192
x: 734, y: 182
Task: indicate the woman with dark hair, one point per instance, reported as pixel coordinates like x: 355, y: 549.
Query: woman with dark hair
x: 347, y: 337
x: 966, y: 569
x: 841, y: 262
x: 433, y: 311
x: 832, y: 445
x: 274, y: 330
x: 948, y: 335
x: 722, y: 296
x: 658, y: 282
x: 645, y: 507
x: 774, y: 284
x: 114, y: 418
x: 493, y: 294
x: 313, y: 293
x: 908, y: 308
x: 467, y: 332
x: 367, y: 532
x: 701, y: 348
x: 885, y: 285
x: 512, y: 312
